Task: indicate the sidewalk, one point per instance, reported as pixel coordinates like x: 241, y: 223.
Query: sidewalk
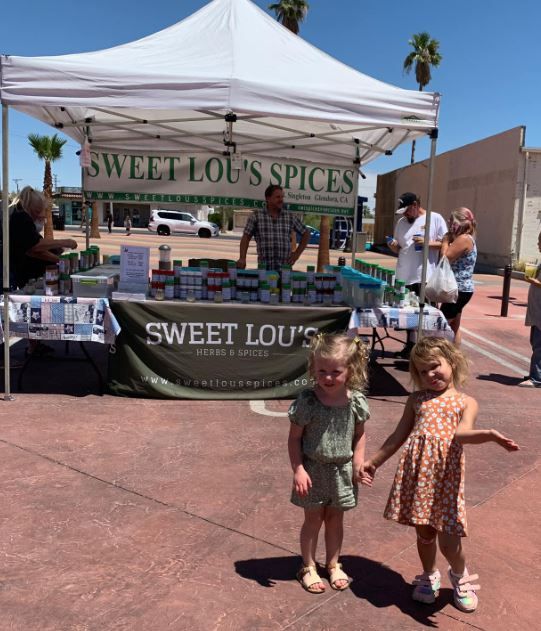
x: 127, y: 514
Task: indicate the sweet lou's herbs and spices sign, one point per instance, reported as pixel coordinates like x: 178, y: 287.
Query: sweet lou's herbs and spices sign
x: 217, y: 352
x: 212, y: 179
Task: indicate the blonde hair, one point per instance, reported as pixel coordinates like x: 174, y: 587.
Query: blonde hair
x: 430, y: 348
x: 29, y: 198
x: 352, y: 350
x: 466, y: 222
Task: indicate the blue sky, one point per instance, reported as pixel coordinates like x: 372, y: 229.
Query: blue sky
x: 490, y: 76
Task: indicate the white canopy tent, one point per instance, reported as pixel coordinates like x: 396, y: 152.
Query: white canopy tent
x: 228, y: 74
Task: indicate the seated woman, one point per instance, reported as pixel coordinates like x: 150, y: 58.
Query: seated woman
x: 29, y: 252
x: 459, y: 246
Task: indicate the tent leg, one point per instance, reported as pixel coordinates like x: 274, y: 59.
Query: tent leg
x: 355, y: 215
x: 5, y: 251
x: 431, y: 165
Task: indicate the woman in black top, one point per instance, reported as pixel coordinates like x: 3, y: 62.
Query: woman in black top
x: 29, y: 252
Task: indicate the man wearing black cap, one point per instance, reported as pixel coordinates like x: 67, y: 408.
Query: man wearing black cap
x: 407, y: 242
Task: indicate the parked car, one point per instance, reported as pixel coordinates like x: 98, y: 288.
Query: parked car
x: 164, y: 222
x: 314, y: 236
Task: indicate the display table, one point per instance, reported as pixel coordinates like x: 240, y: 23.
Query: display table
x: 434, y: 322
x: 62, y: 318
x: 215, y: 351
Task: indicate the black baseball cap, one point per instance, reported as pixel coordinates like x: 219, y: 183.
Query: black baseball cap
x: 405, y: 200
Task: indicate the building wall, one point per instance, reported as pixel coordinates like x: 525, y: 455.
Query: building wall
x: 531, y: 217
x: 484, y: 176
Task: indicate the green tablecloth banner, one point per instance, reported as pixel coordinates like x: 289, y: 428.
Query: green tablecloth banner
x: 215, y: 351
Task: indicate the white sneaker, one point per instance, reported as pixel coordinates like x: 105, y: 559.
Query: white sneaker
x: 464, y: 591
x: 427, y: 587
x: 528, y: 383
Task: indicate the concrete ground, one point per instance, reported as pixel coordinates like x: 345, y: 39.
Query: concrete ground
x: 154, y: 515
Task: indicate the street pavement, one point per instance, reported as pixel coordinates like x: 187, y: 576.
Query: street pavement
x: 156, y: 515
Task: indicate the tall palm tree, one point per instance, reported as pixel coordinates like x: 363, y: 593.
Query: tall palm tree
x: 48, y: 149
x: 424, y: 55
x: 290, y: 13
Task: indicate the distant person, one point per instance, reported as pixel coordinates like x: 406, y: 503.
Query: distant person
x: 533, y: 320
x: 272, y: 227
x: 326, y: 449
x: 109, y: 220
x: 127, y: 224
x: 459, y: 246
x: 428, y: 488
x: 407, y: 241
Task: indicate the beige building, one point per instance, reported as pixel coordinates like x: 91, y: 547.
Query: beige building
x: 498, y: 178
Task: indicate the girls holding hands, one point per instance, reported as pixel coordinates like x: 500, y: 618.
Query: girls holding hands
x: 428, y: 488
x: 326, y: 449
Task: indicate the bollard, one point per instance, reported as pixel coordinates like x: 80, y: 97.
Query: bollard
x: 505, y: 290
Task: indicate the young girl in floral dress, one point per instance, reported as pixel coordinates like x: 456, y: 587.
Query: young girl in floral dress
x: 428, y: 488
x: 326, y: 450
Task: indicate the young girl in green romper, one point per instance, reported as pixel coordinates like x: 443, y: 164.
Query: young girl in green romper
x: 326, y: 448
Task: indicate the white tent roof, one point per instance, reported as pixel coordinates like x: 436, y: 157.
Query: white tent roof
x: 171, y: 90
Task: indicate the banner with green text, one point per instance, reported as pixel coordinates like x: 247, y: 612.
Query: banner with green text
x: 217, y: 180
x: 227, y: 351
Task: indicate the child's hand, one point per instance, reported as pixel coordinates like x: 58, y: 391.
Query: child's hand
x: 301, y: 482
x: 504, y: 441
x: 367, y: 473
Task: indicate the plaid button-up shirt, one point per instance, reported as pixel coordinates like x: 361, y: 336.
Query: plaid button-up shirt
x: 273, y: 235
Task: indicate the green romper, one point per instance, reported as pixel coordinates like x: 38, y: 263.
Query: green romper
x: 327, y: 448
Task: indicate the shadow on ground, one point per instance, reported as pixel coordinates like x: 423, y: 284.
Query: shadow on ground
x: 372, y: 581
x: 67, y: 371
x: 505, y: 380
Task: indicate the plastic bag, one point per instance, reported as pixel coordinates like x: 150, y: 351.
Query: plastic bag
x: 441, y: 286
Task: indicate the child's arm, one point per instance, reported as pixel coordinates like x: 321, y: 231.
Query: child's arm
x: 301, y: 480
x: 359, y: 444
x: 391, y: 445
x: 466, y: 435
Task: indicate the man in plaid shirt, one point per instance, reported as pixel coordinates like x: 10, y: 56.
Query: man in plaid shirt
x: 272, y: 227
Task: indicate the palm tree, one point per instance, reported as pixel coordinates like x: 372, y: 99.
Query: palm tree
x: 424, y: 55
x: 290, y: 13
x: 48, y: 149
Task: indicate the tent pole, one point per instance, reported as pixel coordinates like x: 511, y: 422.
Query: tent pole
x: 5, y: 250
x: 431, y: 165
x: 355, y: 214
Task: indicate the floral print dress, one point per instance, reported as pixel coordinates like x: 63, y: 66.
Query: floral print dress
x: 428, y: 487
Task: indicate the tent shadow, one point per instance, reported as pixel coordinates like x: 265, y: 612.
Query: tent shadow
x: 382, y: 383
x: 372, y: 581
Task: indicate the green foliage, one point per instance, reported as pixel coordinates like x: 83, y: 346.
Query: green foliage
x: 424, y: 55
x: 216, y: 218
x: 290, y: 13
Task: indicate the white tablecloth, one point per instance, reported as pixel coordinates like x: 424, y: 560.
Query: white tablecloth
x: 434, y: 322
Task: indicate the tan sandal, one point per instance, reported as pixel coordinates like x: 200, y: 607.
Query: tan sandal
x: 309, y: 578
x: 336, y: 573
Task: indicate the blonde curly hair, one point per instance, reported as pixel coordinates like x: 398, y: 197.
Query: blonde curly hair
x: 353, y: 351
x: 432, y: 348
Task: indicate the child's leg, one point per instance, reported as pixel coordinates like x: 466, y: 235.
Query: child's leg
x: 334, y: 533
x: 427, y: 585
x: 334, y: 536
x: 313, y: 519
x: 464, y: 584
x: 427, y: 547
x: 451, y: 548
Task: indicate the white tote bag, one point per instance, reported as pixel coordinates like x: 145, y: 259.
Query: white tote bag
x: 441, y: 286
